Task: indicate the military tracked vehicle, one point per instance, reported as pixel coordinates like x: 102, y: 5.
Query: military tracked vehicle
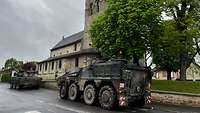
x: 109, y: 83
x: 24, y: 79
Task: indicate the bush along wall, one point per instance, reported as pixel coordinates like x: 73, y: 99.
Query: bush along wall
x: 5, y: 75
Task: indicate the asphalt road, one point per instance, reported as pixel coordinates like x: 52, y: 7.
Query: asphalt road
x: 47, y: 101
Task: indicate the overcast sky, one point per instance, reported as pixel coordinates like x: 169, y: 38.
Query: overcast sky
x: 29, y: 28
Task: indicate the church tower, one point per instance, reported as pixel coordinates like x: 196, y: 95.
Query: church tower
x: 92, y: 9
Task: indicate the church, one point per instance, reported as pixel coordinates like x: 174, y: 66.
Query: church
x: 72, y: 51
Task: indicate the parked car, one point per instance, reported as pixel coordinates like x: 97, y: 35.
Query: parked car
x: 25, y: 80
x: 114, y: 82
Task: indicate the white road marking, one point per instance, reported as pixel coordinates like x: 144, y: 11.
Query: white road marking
x: 32, y: 112
x: 67, y: 108
x: 40, y: 101
x: 132, y: 111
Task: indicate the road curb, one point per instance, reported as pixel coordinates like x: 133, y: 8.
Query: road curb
x: 176, y: 93
x: 176, y: 98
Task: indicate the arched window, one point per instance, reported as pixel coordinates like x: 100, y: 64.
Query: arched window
x: 46, y: 66
x: 52, y: 65
x: 76, y: 62
x: 91, y: 9
x: 60, y: 64
x: 97, y: 5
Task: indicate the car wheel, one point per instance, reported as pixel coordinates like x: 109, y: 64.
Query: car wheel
x: 63, y: 92
x: 107, y: 97
x: 73, y: 92
x: 89, y: 94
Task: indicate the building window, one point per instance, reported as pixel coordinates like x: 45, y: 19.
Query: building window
x: 97, y: 3
x: 40, y: 68
x: 91, y: 9
x: 46, y: 65
x: 60, y: 64
x: 75, y: 46
x: 52, y: 65
x: 77, y: 62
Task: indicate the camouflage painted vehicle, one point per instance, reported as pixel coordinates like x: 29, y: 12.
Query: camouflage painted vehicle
x: 25, y: 79
x: 108, y: 83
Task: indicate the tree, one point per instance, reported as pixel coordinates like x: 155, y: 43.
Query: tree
x: 12, y: 64
x: 127, y: 28
x: 185, y: 16
x: 165, y: 53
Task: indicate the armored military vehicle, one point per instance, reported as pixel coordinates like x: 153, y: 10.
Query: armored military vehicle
x: 24, y: 79
x: 109, y: 83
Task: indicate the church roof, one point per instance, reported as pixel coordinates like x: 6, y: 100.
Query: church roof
x: 69, y: 40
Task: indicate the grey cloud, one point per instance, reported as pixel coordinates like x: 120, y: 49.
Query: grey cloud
x: 29, y: 28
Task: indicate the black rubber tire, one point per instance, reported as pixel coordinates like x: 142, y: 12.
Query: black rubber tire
x: 107, y: 97
x: 90, y: 94
x: 73, y: 92
x: 63, y: 92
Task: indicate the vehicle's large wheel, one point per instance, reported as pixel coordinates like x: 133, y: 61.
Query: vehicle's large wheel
x: 107, y: 97
x: 63, y: 92
x: 73, y: 92
x: 90, y: 94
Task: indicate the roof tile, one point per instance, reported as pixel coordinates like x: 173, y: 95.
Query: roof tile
x: 69, y: 40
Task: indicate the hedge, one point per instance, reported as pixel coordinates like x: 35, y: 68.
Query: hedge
x: 5, y: 75
x: 176, y: 86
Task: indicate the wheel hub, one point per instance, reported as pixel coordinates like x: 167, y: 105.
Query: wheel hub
x: 89, y: 94
x: 106, y: 97
x: 72, y: 91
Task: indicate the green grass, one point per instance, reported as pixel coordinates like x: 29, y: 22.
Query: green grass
x: 176, y: 86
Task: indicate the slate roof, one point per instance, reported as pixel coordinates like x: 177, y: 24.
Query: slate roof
x: 69, y: 40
